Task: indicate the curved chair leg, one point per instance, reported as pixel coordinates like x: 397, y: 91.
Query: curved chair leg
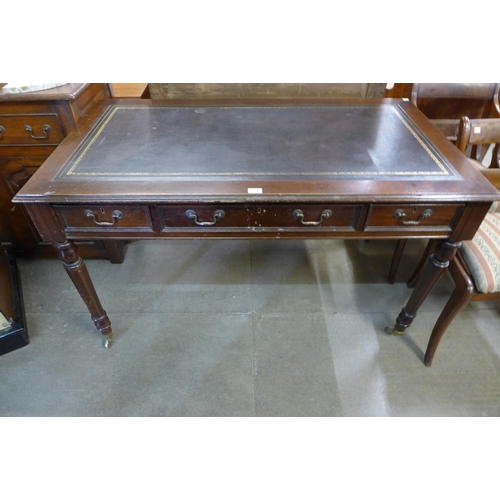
x: 461, y: 296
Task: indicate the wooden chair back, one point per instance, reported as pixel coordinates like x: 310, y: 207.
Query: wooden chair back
x: 439, y: 100
x: 481, y: 132
x: 484, y: 91
x: 445, y: 103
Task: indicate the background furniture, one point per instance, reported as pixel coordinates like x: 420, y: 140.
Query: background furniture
x: 122, y: 90
x: 32, y: 125
x: 267, y: 91
x: 486, y: 133
x: 399, y: 91
x: 445, y: 103
x: 475, y: 269
x: 13, y: 331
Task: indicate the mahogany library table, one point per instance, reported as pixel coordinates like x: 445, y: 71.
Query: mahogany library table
x: 350, y: 169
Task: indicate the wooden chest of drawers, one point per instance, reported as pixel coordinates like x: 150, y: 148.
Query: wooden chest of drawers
x: 32, y: 125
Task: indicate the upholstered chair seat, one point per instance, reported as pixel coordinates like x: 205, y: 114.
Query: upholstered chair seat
x: 482, y: 255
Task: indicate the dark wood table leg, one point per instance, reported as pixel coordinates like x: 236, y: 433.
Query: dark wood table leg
x: 77, y: 271
x: 396, y: 259
x: 428, y: 277
x: 429, y: 250
x: 115, y: 250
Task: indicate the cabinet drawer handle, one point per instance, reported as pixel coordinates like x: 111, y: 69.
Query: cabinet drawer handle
x: 114, y: 216
x: 218, y: 214
x: 298, y: 214
x: 2, y: 131
x: 46, y: 129
x: 400, y: 214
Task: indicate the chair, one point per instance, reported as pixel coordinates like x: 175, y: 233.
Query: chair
x: 483, y: 132
x: 476, y: 267
x: 445, y: 104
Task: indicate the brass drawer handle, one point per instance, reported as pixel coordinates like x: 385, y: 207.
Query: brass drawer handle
x: 218, y: 214
x: 298, y: 214
x: 400, y: 214
x: 46, y: 129
x: 114, y: 216
x: 2, y: 131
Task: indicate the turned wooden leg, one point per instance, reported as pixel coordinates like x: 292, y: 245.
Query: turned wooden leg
x: 461, y: 296
x: 430, y: 274
x: 77, y: 271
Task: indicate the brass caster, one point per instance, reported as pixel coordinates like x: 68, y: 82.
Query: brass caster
x: 108, y: 340
x: 393, y: 331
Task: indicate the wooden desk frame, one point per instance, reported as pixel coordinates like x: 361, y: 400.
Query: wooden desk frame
x: 65, y: 210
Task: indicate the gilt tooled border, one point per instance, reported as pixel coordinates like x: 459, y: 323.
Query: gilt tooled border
x: 404, y: 119
x: 71, y: 171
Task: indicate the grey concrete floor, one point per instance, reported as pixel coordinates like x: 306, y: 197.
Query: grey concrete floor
x: 240, y: 328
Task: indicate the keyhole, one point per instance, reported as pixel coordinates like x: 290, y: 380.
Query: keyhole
x: 102, y: 210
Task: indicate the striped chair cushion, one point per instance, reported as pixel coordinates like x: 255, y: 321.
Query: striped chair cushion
x: 482, y: 255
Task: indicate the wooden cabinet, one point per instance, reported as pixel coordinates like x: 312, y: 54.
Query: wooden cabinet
x: 32, y: 125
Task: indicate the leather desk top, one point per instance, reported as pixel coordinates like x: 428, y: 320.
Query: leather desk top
x: 138, y: 150
x: 275, y: 142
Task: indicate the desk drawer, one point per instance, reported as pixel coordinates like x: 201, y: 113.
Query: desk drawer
x: 32, y: 130
x: 412, y: 217
x: 211, y: 217
x: 305, y: 216
x: 259, y: 217
x: 105, y: 218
